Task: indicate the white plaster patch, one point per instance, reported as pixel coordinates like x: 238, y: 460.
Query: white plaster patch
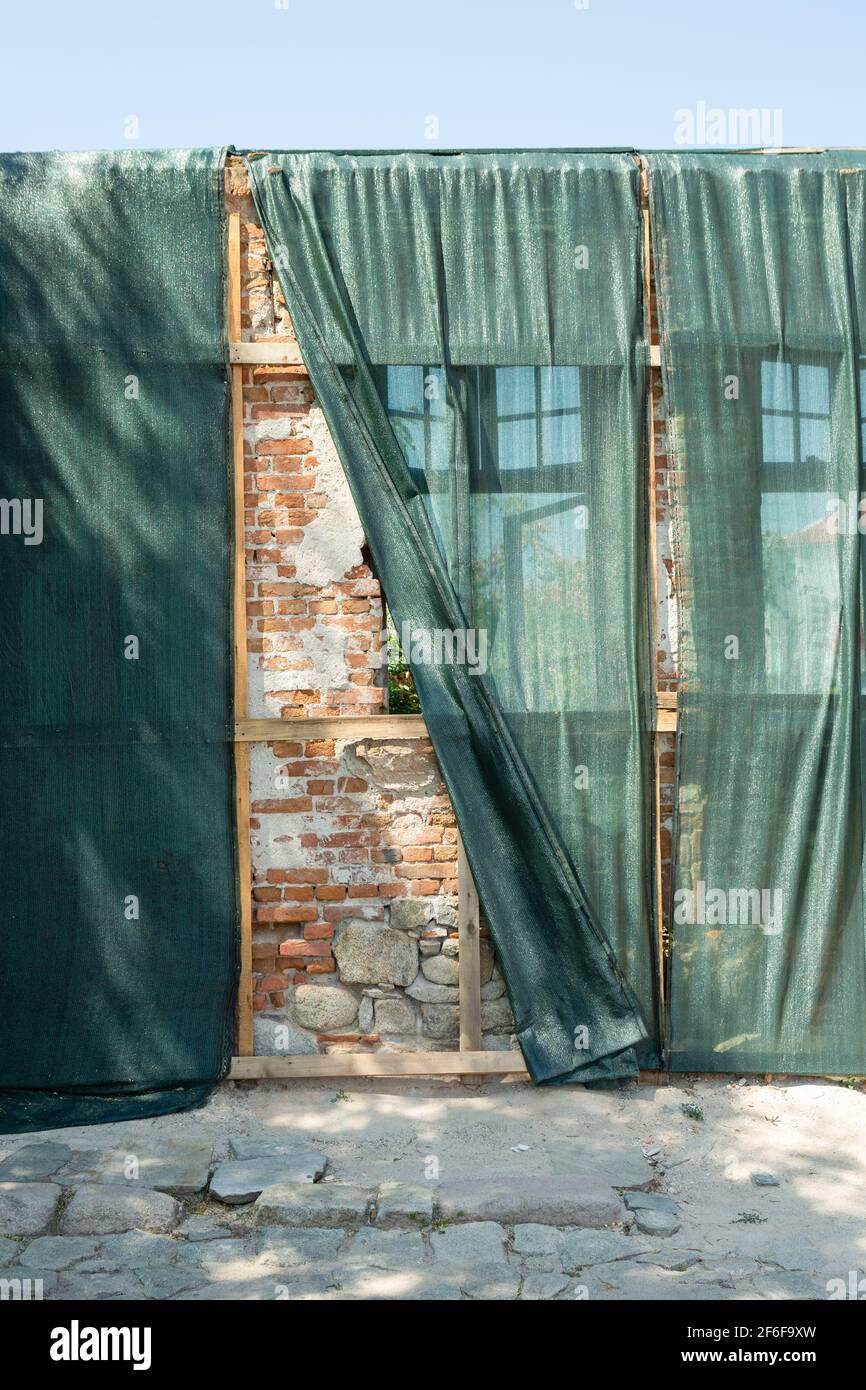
x: 276, y: 845
x: 332, y: 542
x: 280, y: 428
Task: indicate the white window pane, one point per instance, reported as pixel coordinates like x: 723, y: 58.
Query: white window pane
x: 410, y: 437
x: 777, y: 386
x: 815, y: 441
x: 561, y: 439
x: 406, y: 389
x: 515, y: 391
x: 814, y: 387
x: 517, y: 444
x: 560, y: 388
x: 778, y: 439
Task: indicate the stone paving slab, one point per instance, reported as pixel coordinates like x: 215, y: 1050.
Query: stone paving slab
x: 564, y: 1201
x: 283, y: 1247
x: 318, y: 1204
x: 476, y: 1241
x: 27, y: 1208
x: 33, y: 1162
x: 401, y: 1203
x: 107, y: 1209
x: 57, y: 1252
x: 384, y: 1249
x: 242, y: 1180
x: 179, y: 1167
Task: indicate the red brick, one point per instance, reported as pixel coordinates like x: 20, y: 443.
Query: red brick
x: 299, y: 950
x: 286, y: 914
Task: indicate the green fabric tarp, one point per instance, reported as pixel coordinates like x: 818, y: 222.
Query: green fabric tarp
x: 760, y: 264
x: 472, y: 325
x: 119, y: 942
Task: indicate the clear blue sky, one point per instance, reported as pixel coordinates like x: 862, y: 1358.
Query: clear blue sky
x: 367, y: 73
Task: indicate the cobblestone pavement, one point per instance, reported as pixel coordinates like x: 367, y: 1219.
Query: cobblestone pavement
x: 714, y: 1191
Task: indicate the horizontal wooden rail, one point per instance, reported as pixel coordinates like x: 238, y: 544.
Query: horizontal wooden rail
x: 287, y: 353
x: 350, y: 727
x: 378, y: 1064
x: 266, y: 354
x: 341, y: 726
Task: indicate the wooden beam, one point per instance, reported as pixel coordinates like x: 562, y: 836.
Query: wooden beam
x: 655, y: 362
x: 239, y: 608
x: 469, y: 959
x: 351, y: 728
x: 284, y: 354
x: 348, y: 727
x: 336, y: 1064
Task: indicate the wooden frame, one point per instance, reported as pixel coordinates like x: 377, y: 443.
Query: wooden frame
x: 654, y: 363
x: 239, y: 602
x: 470, y: 1060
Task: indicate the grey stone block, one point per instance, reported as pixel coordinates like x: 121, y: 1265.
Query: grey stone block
x: 546, y: 1201
x: 441, y: 1020
x: 131, y: 1250
x: 401, y: 1203
x: 537, y: 1287
x: 57, y: 1252
x: 581, y: 1249
x: 477, y: 1242
x: 27, y: 1208
x: 280, y: 1247
x: 427, y: 993
x: 532, y: 1239
x: 312, y: 1204
x: 166, y: 1281
x: 369, y: 953
x: 395, y: 1016
x: 180, y: 1167
x: 33, y: 1162
x: 241, y: 1180
x: 104, y: 1209
x: 324, y: 1007
x: 392, y: 1250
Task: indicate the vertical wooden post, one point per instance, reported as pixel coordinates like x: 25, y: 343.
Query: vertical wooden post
x: 653, y: 560
x: 241, y: 709
x: 469, y: 978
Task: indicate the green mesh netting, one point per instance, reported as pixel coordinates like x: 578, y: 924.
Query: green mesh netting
x: 115, y: 766
x: 760, y: 265
x: 472, y: 328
